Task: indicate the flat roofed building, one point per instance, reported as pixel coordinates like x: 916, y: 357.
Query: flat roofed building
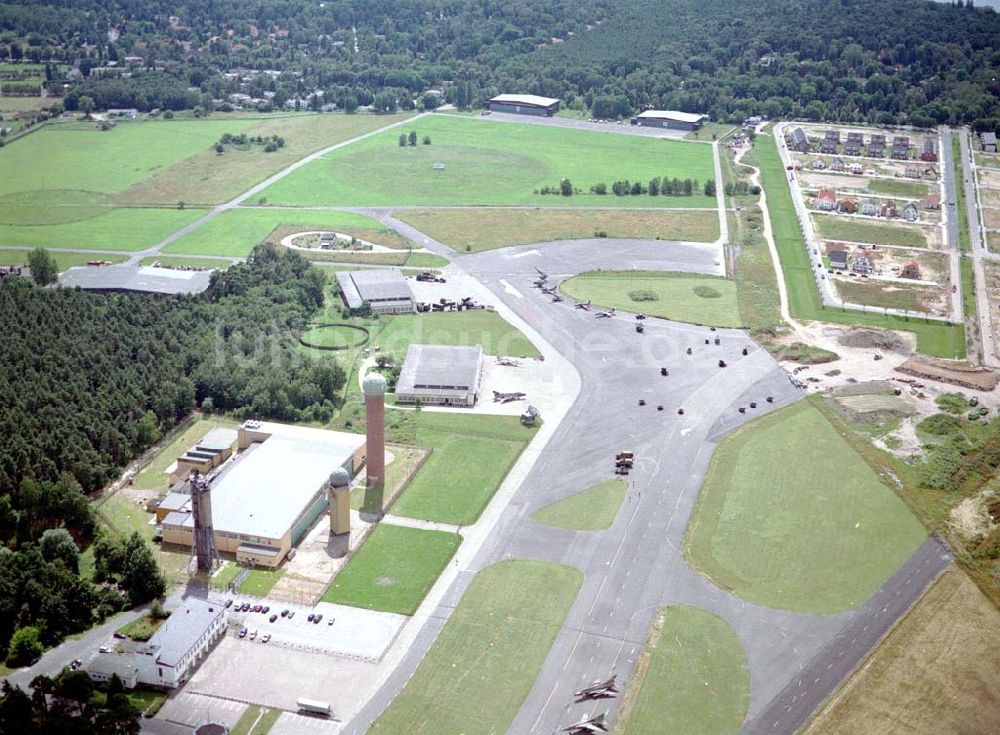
x: 670, y: 119
x: 144, y: 279
x: 271, y: 493
x: 442, y: 375
x: 989, y: 142
x: 385, y: 290
x: 214, y: 448
x: 171, y: 654
x: 524, y: 104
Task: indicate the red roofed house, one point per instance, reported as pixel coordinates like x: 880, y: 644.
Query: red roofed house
x: 911, y: 270
x: 847, y: 206
x: 826, y: 200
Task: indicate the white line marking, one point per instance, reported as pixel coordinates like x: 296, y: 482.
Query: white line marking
x: 510, y: 289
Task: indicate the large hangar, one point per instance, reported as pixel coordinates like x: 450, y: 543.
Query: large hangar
x: 524, y: 104
x: 384, y: 290
x: 671, y: 119
x: 440, y: 375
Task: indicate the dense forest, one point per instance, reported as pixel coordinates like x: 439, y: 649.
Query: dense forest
x: 69, y: 704
x: 895, y: 61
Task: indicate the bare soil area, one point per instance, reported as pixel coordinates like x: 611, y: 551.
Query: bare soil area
x: 955, y: 372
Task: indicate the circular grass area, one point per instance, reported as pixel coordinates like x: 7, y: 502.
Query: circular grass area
x: 52, y: 206
x: 707, y: 292
x: 334, y: 337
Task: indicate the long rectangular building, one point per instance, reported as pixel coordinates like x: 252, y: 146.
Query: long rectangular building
x: 267, y: 497
x: 384, y: 290
x: 524, y: 104
x: 442, y: 375
x: 671, y: 119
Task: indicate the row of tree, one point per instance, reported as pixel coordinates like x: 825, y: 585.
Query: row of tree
x: 69, y: 704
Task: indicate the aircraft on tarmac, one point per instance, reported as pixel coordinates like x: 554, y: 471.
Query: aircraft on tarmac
x: 605, y: 314
x: 600, y: 689
x: 582, y: 305
x: 588, y: 725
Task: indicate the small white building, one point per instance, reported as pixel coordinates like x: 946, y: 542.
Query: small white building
x: 171, y: 654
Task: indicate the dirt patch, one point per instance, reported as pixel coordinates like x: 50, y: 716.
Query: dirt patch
x: 386, y: 581
x: 954, y: 372
x: 971, y: 519
x: 880, y: 339
x: 992, y: 218
x: 866, y: 388
x: 990, y: 178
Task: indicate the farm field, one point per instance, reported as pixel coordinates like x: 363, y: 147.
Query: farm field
x: 493, y: 163
x: 687, y: 298
x: 236, y: 232
x: 937, y: 339
x: 448, y: 488
x: 209, y: 178
x: 10, y: 256
x: 853, y: 229
x: 936, y: 671
x: 475, y: 230
x: 790, y: 516
x: 593, y: 509
x: 379, y: 577
x: 23, y: 104
x: 484, y: 662
x: 891, y: 295
x: 114, y: 229
x: 692, y: 677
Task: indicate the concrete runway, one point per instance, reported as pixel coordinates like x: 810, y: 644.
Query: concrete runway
x: 638, y: 566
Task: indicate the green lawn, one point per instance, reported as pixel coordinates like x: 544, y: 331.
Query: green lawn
x: 234, y: 233
x: 260, y: 580
x: 964, y: 236
x: 125, y: 516
x: 266, y: 722
x: 679, y: 296
x: 484, y: 662
x: 154, y: 475
x: 487, y: 328
x: 478, y: 229
x: 226, y: 574
x: 593, y: 509
x: 10, y: 256
x: 246, y: 721
x: 472, y: 455
x: 142, y: 629
x: 335, y: 336
x: 969, y: 304
x: 81, y: 157
x: 910, y: 297
x: 394, y: 569
x: 180, y: 262
x: 933, y: 338
x: 790, y: 516
x: 892, y: 187
x: 692, y: 678
x: 855, y: 230
x: 493, y: 163
x: 114, y: 229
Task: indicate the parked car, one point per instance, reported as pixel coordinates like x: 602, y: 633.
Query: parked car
x: 266, y: 637
x: 266, y: 609
x: 253, y: 636
x: 318, y: 618
x: 104, y: 649
x: 291, y: 614
x: 273, y: 618
x: 243, y: 632
x: 119, y: 636
x: 310, y: 618
x: 284, y: 613
x: 229, y: 603
x: 257, y: 608
x: 330, y: 621
x: 75, y: 665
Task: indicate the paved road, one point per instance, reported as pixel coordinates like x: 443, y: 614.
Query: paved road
x: 979, y: 252
x: 637, y: 566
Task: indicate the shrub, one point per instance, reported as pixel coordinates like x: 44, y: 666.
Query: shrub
x: 643, y: 295
x: 940, y: 424
x: 952, y: 402
x: 706, y: 292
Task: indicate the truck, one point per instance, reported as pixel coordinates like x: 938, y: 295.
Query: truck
x: 313, y: 706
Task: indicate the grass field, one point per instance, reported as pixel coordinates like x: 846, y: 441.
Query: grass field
x: 480, y: 327
x: 449, y: 487
x: 935, y: 673
x: 209, y: 178
x: 380, y: 577
x: 484, y: 662
x: 9, y: 256
x: 78, y: 156
x: 142, y: 629
x: 964, y: 236
x: 855, y: 230
x: 181, y: 262
x: 889, y: 295
x: 892, y: 187
x: 791, y: 517
x: 493, y: 163
x: 969, y: 303
x: 692, y: 677
x: 682, y: 297
x: 114, y: 229
x: 933, y: 338
x: 23, y: 104
x: 336, y: 336
x: 593, y: 509
x: 154, y: 475
x: 260, y: 580
x: 475, y: 230
x: 224, y: 575
x: 234, y: 233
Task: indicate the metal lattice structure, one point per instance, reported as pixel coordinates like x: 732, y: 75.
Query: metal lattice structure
x: 205, y: 553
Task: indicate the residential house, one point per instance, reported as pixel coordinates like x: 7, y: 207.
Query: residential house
x: 857, y: 169
x: 868, y: 207
x: 830, y: 142
x: 888, y: 209
x: 826, y: 200
x: 910, y: 270
x: 847, y: 206
x: 911, y: 172
x: 838, y: 259
x: 818, y: 164
x: 910, y: 213
x: 900, y: 148
x: 837, y: 164
x: 928, y: 150
x: 862, y: 264
x: 931, y: 201
x: 989, y: 142
x: 876, y: 147
x: 798, y: 141
x: 854, y: 143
